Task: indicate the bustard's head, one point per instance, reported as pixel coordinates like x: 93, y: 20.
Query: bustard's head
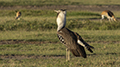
x: 61, y: 18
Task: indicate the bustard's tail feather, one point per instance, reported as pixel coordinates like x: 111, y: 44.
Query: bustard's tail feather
x: 83, y: 43
x: 89, y: 48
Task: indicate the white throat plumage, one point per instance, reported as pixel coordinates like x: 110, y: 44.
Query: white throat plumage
x: 61, y: 19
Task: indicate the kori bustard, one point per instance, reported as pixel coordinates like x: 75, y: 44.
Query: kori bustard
x: 73, y: 41
x: 110, y: 16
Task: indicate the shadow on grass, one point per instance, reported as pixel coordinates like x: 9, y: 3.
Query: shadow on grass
x: 95, y: 54
x: 30, y: 41
x: 20, y: 57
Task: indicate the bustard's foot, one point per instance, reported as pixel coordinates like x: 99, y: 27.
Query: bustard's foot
x: 67, y: 60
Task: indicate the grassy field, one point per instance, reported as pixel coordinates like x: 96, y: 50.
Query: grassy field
x: 43, y: 49
x: 32, y: 40
x: 45, y: 20
x: 25, y: 43
x: 57, y: 2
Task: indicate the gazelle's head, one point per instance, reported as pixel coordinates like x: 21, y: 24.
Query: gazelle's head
x: 18, y: 14
x: 114, y: 18
x: 61, y: 18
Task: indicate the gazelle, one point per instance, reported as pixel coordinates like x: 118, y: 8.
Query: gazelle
x: 109, y: 15
x: 72, y: 40
x: 18, y: 14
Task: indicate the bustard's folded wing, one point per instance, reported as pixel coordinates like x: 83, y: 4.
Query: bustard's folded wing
x: 69, y: 39
x: 76, y: 52
x: 83, y: 43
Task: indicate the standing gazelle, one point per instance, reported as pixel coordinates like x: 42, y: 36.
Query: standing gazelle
x: 18, y: 14
x: 72, y: 40
x: 108, y: 14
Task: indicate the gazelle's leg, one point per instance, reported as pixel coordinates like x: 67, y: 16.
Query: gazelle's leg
x: 67, y: 54
x: 102, y: 17
x: 19, y: 18
x: 109, y: 19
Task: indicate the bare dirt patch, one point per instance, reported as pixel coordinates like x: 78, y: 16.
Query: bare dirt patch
x: 68, y: 7
x: 20, y: 57
x: 2, y: 42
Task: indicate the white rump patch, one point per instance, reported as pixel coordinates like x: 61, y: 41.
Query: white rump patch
x: 81, y: 43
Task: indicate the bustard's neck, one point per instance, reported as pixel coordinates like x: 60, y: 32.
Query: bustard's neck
x: 61, y: 20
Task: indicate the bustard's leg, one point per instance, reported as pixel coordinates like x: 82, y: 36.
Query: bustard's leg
x: 67, y: 54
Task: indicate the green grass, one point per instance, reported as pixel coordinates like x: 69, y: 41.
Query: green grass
x: 56, y: 2
x: 89, y: 35
x: 32, y: 40
x: 45, y: 24
x: 45, y: 20
x: 52, y: 53
x: 45, y: 13
x: 41, y: 47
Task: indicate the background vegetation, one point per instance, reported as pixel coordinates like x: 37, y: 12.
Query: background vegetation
x: 32, y: 41
x: 56, y: 2
x: 42, y: 48
x: 45, y: 20
x: 47, y: 25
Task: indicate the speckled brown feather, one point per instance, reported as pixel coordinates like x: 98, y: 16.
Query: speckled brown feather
x: 70, y: 41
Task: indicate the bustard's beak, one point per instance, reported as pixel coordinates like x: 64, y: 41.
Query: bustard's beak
x: 56, y: 11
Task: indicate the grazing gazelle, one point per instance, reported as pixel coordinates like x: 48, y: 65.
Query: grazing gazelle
x: 72, y: 40
x: 108, y: 14
x: 18, y: 14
